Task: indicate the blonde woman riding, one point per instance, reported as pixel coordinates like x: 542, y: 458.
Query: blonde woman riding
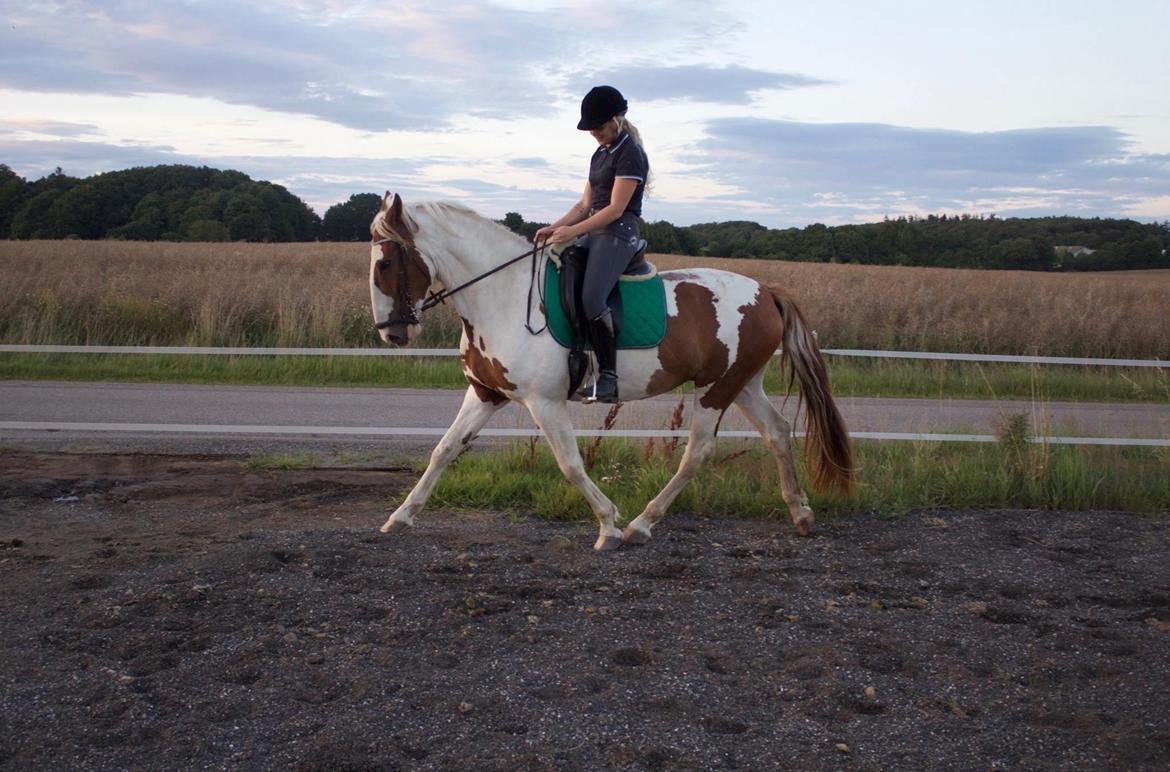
x: 605, y: 220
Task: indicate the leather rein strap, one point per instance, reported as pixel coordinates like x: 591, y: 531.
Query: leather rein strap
x: 435, y: 298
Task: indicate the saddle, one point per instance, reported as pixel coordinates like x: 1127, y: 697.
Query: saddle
x: 637, y: 305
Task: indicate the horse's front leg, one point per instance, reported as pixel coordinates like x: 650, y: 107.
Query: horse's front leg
x: 553, y: 419
x: 473, y: 414
x: 700, y: 448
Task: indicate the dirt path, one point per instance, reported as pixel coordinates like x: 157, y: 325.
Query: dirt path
x: 164, y: 612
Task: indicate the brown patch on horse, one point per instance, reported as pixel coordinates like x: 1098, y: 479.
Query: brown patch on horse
x: 488, y: 377
x: 690, y: 349
x: 761, y: 330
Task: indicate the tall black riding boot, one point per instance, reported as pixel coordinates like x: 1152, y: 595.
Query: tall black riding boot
x: 605, y: 346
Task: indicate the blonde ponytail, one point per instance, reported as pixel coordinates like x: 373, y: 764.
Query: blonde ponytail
x: 624, y: 125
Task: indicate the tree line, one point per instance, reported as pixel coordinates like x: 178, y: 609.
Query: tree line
x: 961, y: 241
x: 188, y: 203
x: 171, y: 203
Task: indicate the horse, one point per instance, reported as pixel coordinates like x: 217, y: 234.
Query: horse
x: 722, y: 329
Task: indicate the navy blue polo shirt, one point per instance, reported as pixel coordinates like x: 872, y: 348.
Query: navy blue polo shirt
x: 624, y: 159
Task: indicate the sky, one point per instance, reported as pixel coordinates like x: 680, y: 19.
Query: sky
x: 785, y: 113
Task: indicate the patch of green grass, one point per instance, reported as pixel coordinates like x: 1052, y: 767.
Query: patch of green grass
x: 416, y: 372
x: 894, y: 478
x: 849, y: 377
x: 281, y: 461
x: 860, y: 377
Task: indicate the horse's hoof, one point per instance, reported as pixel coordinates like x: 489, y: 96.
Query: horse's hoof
x: 607, y: 544
x: 804, y: 525
x: 395, y: 526
x: 635, y: 536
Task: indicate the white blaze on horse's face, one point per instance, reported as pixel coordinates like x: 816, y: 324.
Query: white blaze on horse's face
x: 383, y: 306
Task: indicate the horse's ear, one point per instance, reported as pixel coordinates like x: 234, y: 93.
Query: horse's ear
x: 395, y: 213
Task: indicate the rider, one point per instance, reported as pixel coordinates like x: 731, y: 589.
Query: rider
x: 605, y: 220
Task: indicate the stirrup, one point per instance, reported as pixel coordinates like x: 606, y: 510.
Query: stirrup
x: 608, y: 399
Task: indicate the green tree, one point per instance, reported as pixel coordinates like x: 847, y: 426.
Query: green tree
x: 513, y: 222
x: 206, y: 230
x: 112, y: 205
x: 350, y: 221
x: 1020, y: 253
x: 14, y: 192
x: 245, y: 218
x: 661, y: 237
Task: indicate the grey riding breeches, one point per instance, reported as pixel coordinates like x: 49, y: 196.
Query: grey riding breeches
x: 610, y: 252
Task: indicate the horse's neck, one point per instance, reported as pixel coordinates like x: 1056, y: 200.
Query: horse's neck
x: 460, y: 246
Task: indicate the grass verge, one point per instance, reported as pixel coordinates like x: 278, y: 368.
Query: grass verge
x: 281, y: 462
x: 896, y: 477
x: 850, y: 377
x: 420, y: 372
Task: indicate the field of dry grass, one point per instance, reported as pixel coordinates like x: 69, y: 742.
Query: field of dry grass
x: 991, y: 312
x: 198, y: 294
x: 316, y: 295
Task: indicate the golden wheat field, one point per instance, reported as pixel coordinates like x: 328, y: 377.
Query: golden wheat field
x: 316, y: 294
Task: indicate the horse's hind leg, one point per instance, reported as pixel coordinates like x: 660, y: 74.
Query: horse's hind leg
x: 700, y: 446
x: 553, y: 419
x: 473, y: 414
x: 777, y: 435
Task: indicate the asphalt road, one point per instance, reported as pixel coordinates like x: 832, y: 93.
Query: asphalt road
x: 328, y: 419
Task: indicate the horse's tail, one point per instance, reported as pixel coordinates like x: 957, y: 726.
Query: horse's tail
x: 828, y: 456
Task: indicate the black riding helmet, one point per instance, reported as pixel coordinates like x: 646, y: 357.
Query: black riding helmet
x: 599, y: 105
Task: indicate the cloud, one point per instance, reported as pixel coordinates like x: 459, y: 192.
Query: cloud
x: 529, y: 163
x: 35, y: 158
x: 235, y: 53
x: 726, y: 85
x: 319, y: 181
x: 799, y: 172
x: 415, y: 65
x: 48, y: 128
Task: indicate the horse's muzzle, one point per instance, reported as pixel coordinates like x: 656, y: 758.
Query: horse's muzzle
x: 395, y: 333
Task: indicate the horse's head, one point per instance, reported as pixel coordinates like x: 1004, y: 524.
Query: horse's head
x: 399, y: 276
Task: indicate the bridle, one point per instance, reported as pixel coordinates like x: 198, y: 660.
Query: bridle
x: 406, y: 300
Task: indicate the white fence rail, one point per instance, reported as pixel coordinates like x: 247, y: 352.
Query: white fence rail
x: 451, y: 352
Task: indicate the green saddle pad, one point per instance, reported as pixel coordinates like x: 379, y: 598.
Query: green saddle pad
x: 643, y: 310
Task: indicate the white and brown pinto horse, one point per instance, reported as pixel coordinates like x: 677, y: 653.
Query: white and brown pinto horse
x: 722, y: 328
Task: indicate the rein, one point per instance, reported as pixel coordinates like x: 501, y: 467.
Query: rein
x: 435, y: 298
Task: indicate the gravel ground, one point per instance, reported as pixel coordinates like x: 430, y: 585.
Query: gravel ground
x: 179, y: 612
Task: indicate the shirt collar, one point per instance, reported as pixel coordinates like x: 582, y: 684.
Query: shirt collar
x: 621, y: 140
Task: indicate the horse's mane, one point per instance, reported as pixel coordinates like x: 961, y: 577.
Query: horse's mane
x: 440, y: 213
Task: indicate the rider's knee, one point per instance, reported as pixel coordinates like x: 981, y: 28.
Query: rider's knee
x: 594, y: 306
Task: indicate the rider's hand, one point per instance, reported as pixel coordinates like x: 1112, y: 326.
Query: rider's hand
x: 542, y: 234
x: 562, y: 234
